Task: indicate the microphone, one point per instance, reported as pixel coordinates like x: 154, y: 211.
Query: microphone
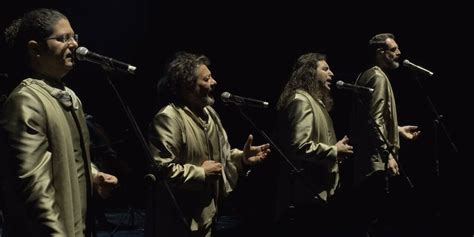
x: 356, y: 88
x: 415, y: 67
x: 238, y: 100
x: 83, y: 54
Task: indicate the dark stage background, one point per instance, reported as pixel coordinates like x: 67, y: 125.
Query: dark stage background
x: 252, y: 47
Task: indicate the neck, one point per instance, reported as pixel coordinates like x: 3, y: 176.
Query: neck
x: 52, y: 81
x: 382, y: 65
x: 199, y: 111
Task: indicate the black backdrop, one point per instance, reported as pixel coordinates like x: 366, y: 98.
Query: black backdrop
x: 252, y: 47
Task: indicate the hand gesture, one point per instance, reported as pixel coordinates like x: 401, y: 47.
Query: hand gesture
x: 254, y: 154
x: 343, y: 149
x: 409, y: 132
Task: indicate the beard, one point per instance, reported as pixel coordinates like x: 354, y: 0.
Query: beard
x: 208, y: 100
x: 392, y: 64
x: 206, y: 97
x: 319, y: 91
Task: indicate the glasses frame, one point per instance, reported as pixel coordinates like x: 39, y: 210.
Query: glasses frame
x: 65, y: 38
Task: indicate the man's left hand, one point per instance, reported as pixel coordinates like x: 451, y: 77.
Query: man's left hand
x: 254, y: 154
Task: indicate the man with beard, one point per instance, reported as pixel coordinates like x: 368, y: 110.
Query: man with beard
x: 307, y: 136
x: 190, y: 145
x: 376, y: 132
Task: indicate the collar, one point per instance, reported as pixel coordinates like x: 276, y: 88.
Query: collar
x: 66, y: 97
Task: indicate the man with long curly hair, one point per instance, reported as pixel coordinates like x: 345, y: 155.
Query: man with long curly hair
x: 307, y: 135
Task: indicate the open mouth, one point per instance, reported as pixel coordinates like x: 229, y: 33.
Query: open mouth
x: 69, y: 55
x: 329, y: 82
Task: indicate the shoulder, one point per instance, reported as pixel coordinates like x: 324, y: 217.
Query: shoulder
x: 23, y: 94
x: 168, y: 113
x: 369, y: 73
x: 301, y: 100
x: 373, y: 77
x: 23, y: 104
x: 303, y: 97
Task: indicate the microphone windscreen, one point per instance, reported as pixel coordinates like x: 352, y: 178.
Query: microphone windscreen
x: 81, y: 52
x: 225, y: 95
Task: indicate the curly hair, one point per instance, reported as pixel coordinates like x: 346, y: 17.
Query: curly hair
x: 303, y: 78
x: 180, y: 74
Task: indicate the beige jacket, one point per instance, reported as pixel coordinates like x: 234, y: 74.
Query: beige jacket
x: 307, y: 136
x: 47, y: 174
x: 369, y: 145
x: 180, y: 142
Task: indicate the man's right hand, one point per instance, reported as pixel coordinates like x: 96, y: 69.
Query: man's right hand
x: 212, y: 168
x: 343, y: 149
x: 393, y: 166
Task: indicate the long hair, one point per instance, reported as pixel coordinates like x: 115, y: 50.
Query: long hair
x: 180, y: 74
x: 34, y: 25
x: 304, y: 78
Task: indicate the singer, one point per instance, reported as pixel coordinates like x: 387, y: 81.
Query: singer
x: 48, y: 175
x: 189, y: 142
x: 307, y: 135
x: 372, y: 158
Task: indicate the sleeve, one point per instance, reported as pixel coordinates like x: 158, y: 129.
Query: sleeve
x: 166, y: 142
x: 301, y: 122
x: 378, y: 107
x: 94, y: 170
x: 24, y: 124
x: 237, y: 156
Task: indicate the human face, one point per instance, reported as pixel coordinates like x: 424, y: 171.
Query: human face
x: 56, y: 59
x: 392, y: 54
x: 200, y: 96
x: 324, y: 74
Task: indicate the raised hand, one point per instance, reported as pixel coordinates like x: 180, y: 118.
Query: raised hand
x: 254, y: 154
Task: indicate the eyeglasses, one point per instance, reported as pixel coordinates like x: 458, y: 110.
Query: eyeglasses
x: 66, y: 38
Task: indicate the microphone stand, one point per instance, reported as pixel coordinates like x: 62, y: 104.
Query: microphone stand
x: 295, y: 172
x: 437, y: 124
x: 152, y: 167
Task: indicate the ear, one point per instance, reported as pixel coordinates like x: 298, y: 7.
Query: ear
x: 380, y: 51
x: 34, y: 49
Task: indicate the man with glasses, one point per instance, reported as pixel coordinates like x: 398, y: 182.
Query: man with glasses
x: 376, y: 133
x: 66, y: 38
x: 48, y: 178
